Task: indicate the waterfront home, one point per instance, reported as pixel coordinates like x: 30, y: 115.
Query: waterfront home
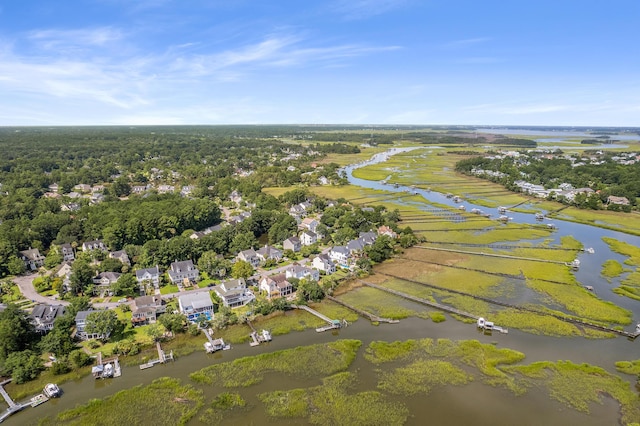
x: 267, y: 252
x: 43, y: 317
x: 249, y: 256
x: 81, y: 322
x: 323, y: 262
x: 621, y: 201
x: 340, y: 255
x: 234, y: 293
x: 302, y: 272
x: 146, y: 309
x: 275, y: 286
x: 93, y: 245
x: 368, y: 238
x: 32, y: 258
x: 194, y: 305
x: 183, y: 271
x: 121, y: 255
x: 294, y: 244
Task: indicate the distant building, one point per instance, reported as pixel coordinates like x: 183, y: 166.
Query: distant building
x: 294, y: 244
x: 267, y: 252
x: 66, y: 250
x: 150, y: 275
x: 302, y: 272
x: 275, y: 286
x: 249, y: 256
x: 81, y: 323
x: 323, y: 262
x: 93, y: 245
x: 103, y: 281
x: 121, y: 255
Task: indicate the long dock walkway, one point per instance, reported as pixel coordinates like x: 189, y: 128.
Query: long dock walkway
x: 503, y: 256
x: 422, y: 301
x: 367, y: 315
x: 331, y: 324
x: 572, y: 320
x: 13, y: 406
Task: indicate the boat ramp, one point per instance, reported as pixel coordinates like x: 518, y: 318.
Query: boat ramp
x: 162, y: 358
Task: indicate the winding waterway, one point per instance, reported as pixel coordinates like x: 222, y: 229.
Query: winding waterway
x: 474, y: 404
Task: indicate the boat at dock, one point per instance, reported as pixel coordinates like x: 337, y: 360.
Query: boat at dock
x: 38, y: 399
x: 539, y: 216
x: 51, y: 390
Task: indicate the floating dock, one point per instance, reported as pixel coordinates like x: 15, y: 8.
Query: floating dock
x: 214, y: 345
x: 14, y: 407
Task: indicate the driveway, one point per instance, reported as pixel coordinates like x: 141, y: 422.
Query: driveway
x: 25, y: 284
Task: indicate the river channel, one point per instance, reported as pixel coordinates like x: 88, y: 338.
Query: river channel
x: 473, y: 404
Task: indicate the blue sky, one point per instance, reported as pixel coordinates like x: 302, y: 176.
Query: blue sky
x: 85, y: 62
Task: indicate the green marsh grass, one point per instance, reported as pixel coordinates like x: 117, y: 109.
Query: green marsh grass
x: 308, y: 361
x: 611, y: 268
x: 331, y: 404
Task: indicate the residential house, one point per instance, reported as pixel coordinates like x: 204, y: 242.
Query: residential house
x: 70, y: 207
x: 32, y: 259
x: 64, y: 272
x: 165, y: 189
x: 234, y: 293
x: 368, y: 238
x: 340, y: 255
x: 183, y: 271
x: 121, y: 255
x: 148, y: 275
x: 356, y: 246
x: 81, y: 323
x: 140, y: 189
x: 294, y: 244
x: 187, y: 190
x: 103, y: 282
x: 235, y: 196
x: 323, y: 262
x: 385, y: 230
x: 267, y: 252
x: 82, y: 187
x: 197, y: 235
x: 146, y: 309
x: 194, y: 305
x: 302, y: 272
x: 66, y: 250
x: 310, y: 224
x: 308, y: 237
x: 43, y: 317
x: 622, y: 201
x: 323, y: 180
x: 276, y: 286
x: 54, y: 187
x: 249, y: 256
x: 93, y: 245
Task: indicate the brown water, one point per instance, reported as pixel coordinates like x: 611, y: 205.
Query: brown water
x: 474, y: 403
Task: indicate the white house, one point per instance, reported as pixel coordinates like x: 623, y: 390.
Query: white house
x: 93, y: 245
x: 150, y: 275
x: 309, y: 223
x: 275, y: 286
x: 302, y: 272
x: 66, y: 250
x: 234, y: 293
x: 340, y: 255
x: 268, y: 252
x: 183, y: 270
x: 249, y: 256
x: 193, y: 305
x: 308, y: 237
x: 324, y: 263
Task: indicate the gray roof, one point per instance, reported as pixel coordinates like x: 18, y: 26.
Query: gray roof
x: 152, y: 271
x: 196, y: 300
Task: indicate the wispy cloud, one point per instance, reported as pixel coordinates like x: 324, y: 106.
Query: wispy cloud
x: 463, y: 43
x: 363, y: 9
x: 72, y: 41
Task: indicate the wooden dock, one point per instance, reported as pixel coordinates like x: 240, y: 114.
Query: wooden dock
x: 367, y: 315
x: 422, y: 301
x: 331, y: 324
x: 14, y: 407
x: 629, y: 335
x: 162, y: 358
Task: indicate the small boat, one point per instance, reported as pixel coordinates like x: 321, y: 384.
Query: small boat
x: 456, y: 199
x: 539, y: 216
x: 265, y: 336
x: 502, y: 210
x: 638, y: 328
x: 463, y: 208
x: 590, y: 250
x: 108, y: 371
x: 38, y: 399
x: 574, y: 265
x: 51, y: 390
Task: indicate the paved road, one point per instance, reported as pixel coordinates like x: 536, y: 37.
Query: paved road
x: 25, y: 284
